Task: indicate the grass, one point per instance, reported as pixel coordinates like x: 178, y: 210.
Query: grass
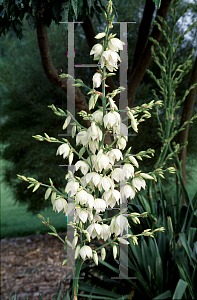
x: 16, y: 221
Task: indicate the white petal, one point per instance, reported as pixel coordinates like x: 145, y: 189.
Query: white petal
x: 100, y: 35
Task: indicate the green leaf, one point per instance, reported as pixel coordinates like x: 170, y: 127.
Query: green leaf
x: 159, y: 272
x: 180, y: 289
x: 187, y: 248
x: 75, y: 7
x: 40, y: 297
x: 64, y: 14
x: 64, y: 262
x: 165, y: 295
x: 109, y: 266
x: 97, y: 290
x: 157, y: 2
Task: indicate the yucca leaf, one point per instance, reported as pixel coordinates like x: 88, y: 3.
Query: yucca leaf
x: 185, y: 273
x: 108, y: 266
x: 187, y: 248
x: 146, y: 258
x: 159, y: 272
x: 165, y: 295
x: 97, y: 290
x: 180, y: 289
x: 192, y: 236
x: 184, y: 191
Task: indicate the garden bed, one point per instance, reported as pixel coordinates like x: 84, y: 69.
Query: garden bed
x: 31, y: 266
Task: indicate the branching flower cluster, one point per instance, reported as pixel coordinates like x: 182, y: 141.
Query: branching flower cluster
x: 109, y: 175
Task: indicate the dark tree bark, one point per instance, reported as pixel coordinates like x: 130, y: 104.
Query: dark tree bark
x: 49, y: 69
x: 143, y: 34
x: 145, y: 54
x: 186, y: 116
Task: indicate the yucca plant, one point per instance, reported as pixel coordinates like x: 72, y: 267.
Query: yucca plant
x: 164, y: 267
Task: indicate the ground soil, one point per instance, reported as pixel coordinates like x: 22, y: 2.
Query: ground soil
x: 31, y: 266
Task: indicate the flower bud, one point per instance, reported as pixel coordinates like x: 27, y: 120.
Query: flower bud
x: 95, y: 257
x: 47, y: 194
x: 103, y: 253
x: 115, y: 251
x: 77, y: 251
x: 66, y: 123
x: 100, y: 35
x: 74, y: 242
x: 36, y: 187
x: 53, y: 197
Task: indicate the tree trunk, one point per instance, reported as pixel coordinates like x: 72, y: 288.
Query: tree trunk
x: 144, y: 56
x: 49, y: 69
x: 186, y: 116
x: 143, y: 34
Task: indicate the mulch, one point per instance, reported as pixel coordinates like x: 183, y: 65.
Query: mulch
x: 31, y: 266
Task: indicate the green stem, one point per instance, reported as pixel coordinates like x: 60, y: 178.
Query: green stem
x: 169, y: 102
x: 76, y: 279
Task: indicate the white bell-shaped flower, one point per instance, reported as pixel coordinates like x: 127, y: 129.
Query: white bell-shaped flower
x: 109, y: 59
x: 97, y: 218
x: 98, y: 116
x: 81, y: 197
x: 93, y: 161
x: 72, y: 187
x: 60, y: 204
x: 90, y: 201
x: 93, y: 177
x: 106, y: 183
x: 99, y: 205
x: 102, y: 161
x: 94, y: 146
x: 97, y: 51
x: 121, y: 130
x: 81, y: 214
x: 82, y: 138
x: 127, y: 192
x: 115, y: 44
x: 127, y: 171
x: 138, y: 183
x: 111, y: 197
x: 119, y: 225
x: 114, y: 154
x: 95, y: 230
x: 105, y: 232
x: 63, y: 149
x: 121, y: 143
x: 94, y: 132
x: 90, y: 215
x: 82, y: 165
x: 85, y: 251
x: 97, y: 80
x: 117, y: 174
x: 111, y: 119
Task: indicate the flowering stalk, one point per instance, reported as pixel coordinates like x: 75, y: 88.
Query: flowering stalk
x: 98, y: 186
